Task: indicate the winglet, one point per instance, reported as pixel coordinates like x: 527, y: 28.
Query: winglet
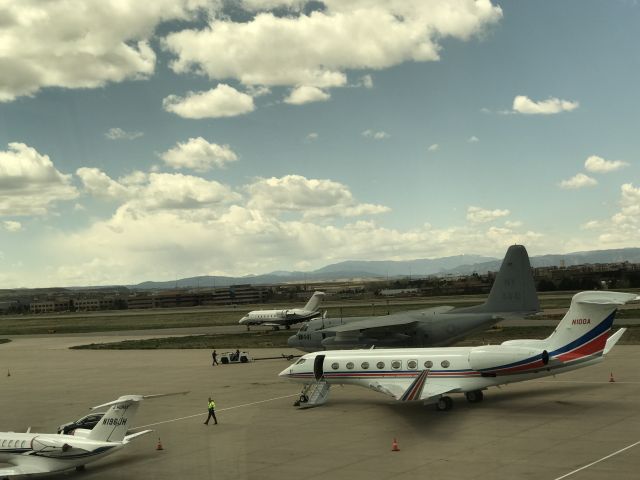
x: 612, y: 340
x: 415, y: 389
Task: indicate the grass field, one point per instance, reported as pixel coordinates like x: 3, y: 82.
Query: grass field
x: 272, y: 339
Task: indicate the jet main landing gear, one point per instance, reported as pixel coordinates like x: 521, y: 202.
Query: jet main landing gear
x: 444, y: 403
x: 474, y: 396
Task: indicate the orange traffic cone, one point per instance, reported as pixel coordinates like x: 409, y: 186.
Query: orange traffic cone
x: 394, y: 446
x: 611, y: 379
x: 159, y: 446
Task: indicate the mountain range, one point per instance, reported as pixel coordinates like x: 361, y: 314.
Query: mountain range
x: 363, y: 269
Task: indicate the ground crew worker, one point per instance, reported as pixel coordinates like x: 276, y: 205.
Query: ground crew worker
x: 212, y: 412
x: 214, y: 355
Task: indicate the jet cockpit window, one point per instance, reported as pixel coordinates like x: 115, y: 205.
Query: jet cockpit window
x: 445, y: 364
x: 380, y: 365
x: 301, y: 361
x: 365, y: 365
x: 428, y: 364
x: 350, y: 365
x: 396, y: 365
x: 335, y: 366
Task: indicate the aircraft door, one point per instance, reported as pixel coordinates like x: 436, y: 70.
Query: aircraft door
x: 318, y: 371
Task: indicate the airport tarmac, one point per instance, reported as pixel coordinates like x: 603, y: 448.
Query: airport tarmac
x: 534, y: 430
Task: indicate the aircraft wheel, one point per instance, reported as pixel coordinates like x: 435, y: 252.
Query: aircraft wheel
x: 304, y: 398
x: 475, y: 396
x: 444, y: 404
x: 80, y: 468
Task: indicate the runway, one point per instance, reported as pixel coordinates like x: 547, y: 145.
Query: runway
x: 559, y: 428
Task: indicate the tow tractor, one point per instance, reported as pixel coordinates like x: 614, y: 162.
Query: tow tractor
x: 235, y: 357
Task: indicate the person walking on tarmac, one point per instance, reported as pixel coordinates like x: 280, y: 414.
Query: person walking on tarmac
x: 212, y: 412
x: 214, y: 355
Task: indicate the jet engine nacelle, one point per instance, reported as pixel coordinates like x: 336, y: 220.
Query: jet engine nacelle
x: 487, y: 357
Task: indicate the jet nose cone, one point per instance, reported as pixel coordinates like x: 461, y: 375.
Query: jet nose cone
x: 292, y: 341
x: 285, y: 372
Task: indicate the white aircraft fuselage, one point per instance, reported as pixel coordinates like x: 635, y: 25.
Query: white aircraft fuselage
x: 286, y: 317
x: 581, y: 339
x: 45, y: 452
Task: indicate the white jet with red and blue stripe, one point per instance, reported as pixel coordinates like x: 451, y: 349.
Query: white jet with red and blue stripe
x: 582, y: 338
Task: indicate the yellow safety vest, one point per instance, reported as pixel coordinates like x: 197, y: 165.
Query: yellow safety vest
x: 212, y: 405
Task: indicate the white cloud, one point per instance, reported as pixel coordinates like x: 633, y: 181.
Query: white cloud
x: 316, y: 49
x: 366, y: 81
x: 117, y: 133
x: 623, y: 228
x: 257, y: 90
x: 481, y: 215
x: 157, y: 244
x: 473, y: 139
x: 375, y: 135
x: 523, y: 104
x: 141, y: 193
x: 597, y: 164
x: 12, y: 226
x: 579, y: 180
x: 99, y: 184
x: 434, y: 147
x: 312, y: 136
x: 306, y: 94
x: 198, y: 154
x: 29, y: 182
x: 79, y: 43
x: 311, y: 197
x: 513, y: 224
x: 222, y: 101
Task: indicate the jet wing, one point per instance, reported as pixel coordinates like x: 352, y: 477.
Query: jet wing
x: 21, y: 470
x: 421, y: 388
x: 388, y: 321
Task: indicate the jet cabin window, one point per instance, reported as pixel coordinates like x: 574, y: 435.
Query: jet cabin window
x: 380, y: 365
x: 365, y: 365
x: 335, y: 366
x: 412, y: 364
x: 350, y: 365
x: 428, y: 364
x: 445, y: 364
x: 396, y: 365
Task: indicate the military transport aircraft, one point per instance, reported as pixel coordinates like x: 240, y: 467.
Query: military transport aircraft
x: 284, y: 318
x: 513, y: 294
x: 428, y: 375
x: 33, y: 453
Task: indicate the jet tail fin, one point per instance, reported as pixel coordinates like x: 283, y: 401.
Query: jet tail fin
x: 117, y: 420
x: 314, y: 302
x: 514, y: 289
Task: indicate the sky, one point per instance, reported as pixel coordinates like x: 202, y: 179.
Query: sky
x: 168, y: 139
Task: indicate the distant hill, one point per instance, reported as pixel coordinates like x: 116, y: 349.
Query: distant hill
x: 631, y: 255
x: 362, y: 269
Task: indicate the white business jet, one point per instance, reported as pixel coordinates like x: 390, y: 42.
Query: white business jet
x: 428, y: 375
x: 284, y: 318
x: 34, y: 453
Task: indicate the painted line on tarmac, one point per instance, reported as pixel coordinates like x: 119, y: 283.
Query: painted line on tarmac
x: 584, y: 381
x: 598, y: 461
x: 217, y: 410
